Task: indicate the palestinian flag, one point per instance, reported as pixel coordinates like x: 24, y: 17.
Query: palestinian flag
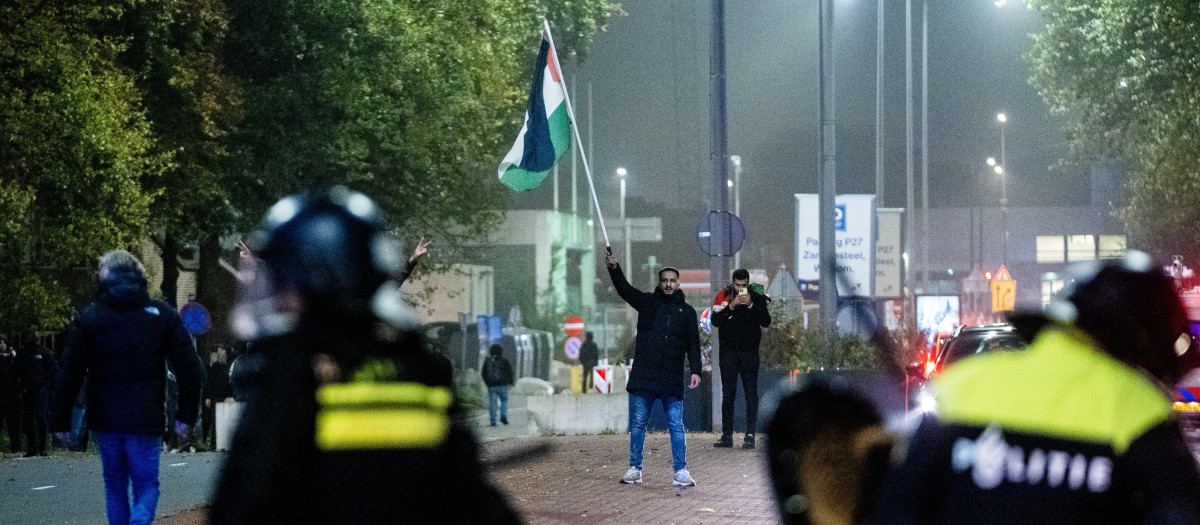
x: 546, y: 135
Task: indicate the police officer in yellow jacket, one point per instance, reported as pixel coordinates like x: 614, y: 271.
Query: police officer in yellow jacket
x: 354, y: 419
x: 1076, y: 428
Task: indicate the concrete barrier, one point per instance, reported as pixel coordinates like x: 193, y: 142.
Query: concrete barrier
x: 225, y: 422
x: 570, y: 413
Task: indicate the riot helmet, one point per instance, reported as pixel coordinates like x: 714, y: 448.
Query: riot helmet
x: 1129, y: 307
x: 323, y: 256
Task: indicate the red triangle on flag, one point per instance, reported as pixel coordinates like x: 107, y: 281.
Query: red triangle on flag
x: 1002, y: 274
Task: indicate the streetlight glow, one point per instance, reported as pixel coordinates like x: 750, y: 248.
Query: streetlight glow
x: 621, y: 172
x: 998, y: 169
x: 1001, y: 117
x: 991, y: 161
x: 728, y: 183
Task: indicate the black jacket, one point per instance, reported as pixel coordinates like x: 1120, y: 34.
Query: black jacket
x: 35, y: 368
x: 589, y: 354
x: 497, y: 371
x: 667, y: 330
x: 122, y: 342
x: 741, y: 326
x: 281, y: 470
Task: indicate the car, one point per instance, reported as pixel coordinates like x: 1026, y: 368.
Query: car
x: 976, y: 339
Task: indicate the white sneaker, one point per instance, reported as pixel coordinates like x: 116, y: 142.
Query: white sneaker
x: 634, y: 475
x: 682, y: 478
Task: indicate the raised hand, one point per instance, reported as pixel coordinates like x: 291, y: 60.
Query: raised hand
x: 421, y: 249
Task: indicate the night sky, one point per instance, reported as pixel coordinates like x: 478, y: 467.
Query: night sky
x: 649, y: 75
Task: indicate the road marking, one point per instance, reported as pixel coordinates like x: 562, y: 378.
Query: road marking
x: 177, y: 464
x: 44, y: 488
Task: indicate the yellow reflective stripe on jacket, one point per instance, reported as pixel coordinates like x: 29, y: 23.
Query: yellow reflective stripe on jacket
x: 1060, y: 386
x: 356, y: 416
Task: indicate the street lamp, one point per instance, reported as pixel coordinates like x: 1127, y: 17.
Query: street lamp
x: 1003, y: 120
x: 736, y: 184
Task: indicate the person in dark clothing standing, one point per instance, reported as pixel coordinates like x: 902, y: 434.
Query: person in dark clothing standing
x: 740, y: 324
x: 589, y: 357
x: 35, y: 370
x: 353, y: 420
x: 498, y: 376
x: 667, y: 331
x: 10, y: 408
x: 122, y: 342
x: 216, y: 391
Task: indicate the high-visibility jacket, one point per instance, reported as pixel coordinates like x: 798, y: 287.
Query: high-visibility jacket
x: 1058, y: 433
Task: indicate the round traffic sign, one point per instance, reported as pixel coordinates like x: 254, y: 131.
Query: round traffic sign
x: 573, y: 326
x: 572, y: 347
x: 720, y: 234
x: 196, y: 319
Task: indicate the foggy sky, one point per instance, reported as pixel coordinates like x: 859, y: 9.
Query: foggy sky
x: 649, y: 75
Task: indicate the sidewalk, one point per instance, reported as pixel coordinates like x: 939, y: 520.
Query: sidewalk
x: 577, y: 482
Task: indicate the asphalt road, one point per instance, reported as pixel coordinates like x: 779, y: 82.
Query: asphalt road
x: 67, y: 488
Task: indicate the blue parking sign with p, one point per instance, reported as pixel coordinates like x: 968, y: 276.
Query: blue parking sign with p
x: 839, y: 217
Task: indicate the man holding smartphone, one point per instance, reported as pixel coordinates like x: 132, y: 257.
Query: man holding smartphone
x: 740, y: 325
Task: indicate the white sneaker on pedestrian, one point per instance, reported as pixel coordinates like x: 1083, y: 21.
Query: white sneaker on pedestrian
x: 682, y: 478
x: 633, y: 475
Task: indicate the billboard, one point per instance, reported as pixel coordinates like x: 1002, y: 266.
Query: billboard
x: 854, y: 236
x: 888, y: 253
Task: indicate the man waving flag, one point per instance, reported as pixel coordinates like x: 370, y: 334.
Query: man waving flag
x: 546, y: 135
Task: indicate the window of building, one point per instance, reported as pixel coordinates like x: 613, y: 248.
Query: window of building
x: 1050, y: 249
x: 1081, y: 247
x: 1112, y: 246
x: 1049, y: 288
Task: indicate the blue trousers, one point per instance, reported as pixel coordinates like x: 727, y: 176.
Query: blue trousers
x: 498, y: 393
x: 640, y: 404
x: 130, y: 459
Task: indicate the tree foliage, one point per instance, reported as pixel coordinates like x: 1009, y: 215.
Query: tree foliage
x: 187, y: 119
x: 1126, y: 74
x: 75, y: 154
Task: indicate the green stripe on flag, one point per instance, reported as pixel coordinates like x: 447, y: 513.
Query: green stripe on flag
x: 560, y: 135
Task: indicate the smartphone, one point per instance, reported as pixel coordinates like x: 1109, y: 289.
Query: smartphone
x: 744, y: 291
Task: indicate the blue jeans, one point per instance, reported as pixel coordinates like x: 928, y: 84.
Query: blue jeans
x: 127, y: 458
x: 498, y: 393
x: 640, y: 404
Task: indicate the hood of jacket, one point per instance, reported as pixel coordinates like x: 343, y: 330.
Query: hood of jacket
x: 124, y: 288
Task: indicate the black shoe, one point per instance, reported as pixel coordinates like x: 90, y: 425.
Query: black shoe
x: 749, y: 442
x: 724, y: 442
x: 504, y: 420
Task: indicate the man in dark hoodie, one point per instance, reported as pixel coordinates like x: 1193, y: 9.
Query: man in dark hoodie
x: 667, y: 330
x: 123, y: 342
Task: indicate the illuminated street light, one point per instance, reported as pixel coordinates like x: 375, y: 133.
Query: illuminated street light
x: 999, y: 171
x: 991, y: 161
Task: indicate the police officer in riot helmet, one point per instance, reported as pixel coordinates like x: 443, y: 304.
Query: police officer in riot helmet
x: 1076, y: 428
x: 354, y: 421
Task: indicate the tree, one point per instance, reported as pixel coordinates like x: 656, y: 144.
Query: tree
x: 1124, y: 75
x: 412, y: 103
x: 75, y: 150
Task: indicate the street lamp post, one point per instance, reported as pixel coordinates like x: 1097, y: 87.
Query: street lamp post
x: 622, y: 172
x: 1002, y: 171
x: 737, y: 199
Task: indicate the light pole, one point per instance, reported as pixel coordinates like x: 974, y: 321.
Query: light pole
x: 622, y: 172
x: 1001, y: 170
x: 736, y: 184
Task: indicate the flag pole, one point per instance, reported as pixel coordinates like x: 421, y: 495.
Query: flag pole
x: 578, y: 141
